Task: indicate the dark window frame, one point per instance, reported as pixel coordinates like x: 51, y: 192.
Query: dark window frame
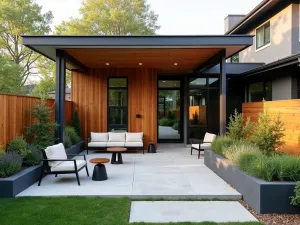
x: 264, y: 90
x: 263, y: 27
x: 114, y: 126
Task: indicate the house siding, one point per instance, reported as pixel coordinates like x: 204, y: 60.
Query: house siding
x: 281, y: 38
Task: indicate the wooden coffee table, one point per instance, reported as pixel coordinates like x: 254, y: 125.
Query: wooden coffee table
x: 99, y: 173
x: 114, y: 155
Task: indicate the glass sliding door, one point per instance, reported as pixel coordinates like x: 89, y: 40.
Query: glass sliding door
x: 203, y: 107
x: 169, y: 111
x: 117, y: 105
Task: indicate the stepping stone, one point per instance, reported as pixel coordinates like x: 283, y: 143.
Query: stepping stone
x: 189, y: 211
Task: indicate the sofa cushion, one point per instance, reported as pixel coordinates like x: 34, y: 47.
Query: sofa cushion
x: 209, y: 137
x: 133, y: 144
x: 97, y: 144
x: 68, y: 166
x: 55, y: 152
x: 115, y: 144
x: 99, y: 137
x: 116, y: 137
x: 134, y: 137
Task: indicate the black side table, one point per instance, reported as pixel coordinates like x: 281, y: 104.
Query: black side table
x: 151, y: 147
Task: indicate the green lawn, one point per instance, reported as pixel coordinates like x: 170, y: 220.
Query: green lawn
x: 69, y: 211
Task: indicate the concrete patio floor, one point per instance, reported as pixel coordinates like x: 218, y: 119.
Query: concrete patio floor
x: 172, y: 173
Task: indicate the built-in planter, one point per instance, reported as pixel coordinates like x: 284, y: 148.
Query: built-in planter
x: 13, y: 185
x: 75, y: 149
x: 262, y: 196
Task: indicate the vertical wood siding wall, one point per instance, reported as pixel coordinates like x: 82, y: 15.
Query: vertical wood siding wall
x: 15, y: 115
x: 289, y: 111
x: 89, y: 95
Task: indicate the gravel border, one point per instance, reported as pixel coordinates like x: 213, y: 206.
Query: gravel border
x: 274, y: 219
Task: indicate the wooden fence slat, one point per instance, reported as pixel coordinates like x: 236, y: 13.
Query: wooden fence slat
x: 15, y: 116
x: 289, y: 111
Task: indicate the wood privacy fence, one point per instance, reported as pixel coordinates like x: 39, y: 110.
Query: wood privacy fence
x: 15, y: 115
x: 289, y: 111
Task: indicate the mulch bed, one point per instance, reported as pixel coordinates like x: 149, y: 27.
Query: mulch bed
x: 274, y: 219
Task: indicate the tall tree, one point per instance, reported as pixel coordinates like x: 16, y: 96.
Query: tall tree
x: 112, y: 17
x: 10, y: 80
x: 22, y: 17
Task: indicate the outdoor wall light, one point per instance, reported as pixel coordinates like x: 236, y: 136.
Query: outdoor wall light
x: 175, y: 64
x: 107, y: 64
x: 140, y: 64
x: 138, y: 116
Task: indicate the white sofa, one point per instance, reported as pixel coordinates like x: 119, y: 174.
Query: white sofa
x: 205, y: 145
x: 111, y: 139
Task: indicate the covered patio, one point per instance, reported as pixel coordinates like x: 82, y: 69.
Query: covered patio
x: 99, y: 63
x: 172, y: 173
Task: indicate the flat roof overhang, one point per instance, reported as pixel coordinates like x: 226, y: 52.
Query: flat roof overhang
x: 157, y: 51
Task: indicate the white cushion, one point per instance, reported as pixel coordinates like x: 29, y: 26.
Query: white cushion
x: 209, y: 137
x: 134, y: 137
x: 99, y: 137
x: 68, y: 166
x: 97, y: 144
x: 56, y: 152
x: 205, y: 146
x: 116, y: 137
x: 115, y: 144
x: 134, y: 144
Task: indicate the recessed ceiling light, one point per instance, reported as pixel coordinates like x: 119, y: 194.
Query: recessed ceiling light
x: 140, y: 64
x: 175, y: 64
x: 107, y: 64
x: 164, y: 81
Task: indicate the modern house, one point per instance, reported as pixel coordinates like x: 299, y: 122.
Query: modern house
x: 275, y: 26
x: 150, y: 84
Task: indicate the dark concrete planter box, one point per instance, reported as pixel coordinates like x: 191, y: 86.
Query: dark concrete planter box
x: 75, y: 149
x: 11, y: 186
x: 262, y: 196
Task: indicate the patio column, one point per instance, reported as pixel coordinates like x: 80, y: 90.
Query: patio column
x: 223, y: 92
x: 60, y: 95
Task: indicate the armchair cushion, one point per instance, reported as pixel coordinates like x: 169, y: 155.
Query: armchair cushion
x: 134, y: 137
x: 209, y: 137
x: 68, y: 166
x: 204, y: 146
x: 55, y: 152
x: 99, y: 137
x: 116, y: 137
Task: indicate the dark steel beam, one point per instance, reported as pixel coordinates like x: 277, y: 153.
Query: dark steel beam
x: 75, y: 63
x: 223, y: 93
x: 60, y: 95
x: 211, y: 62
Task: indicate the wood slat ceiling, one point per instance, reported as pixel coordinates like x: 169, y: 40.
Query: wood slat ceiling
x: 161, y: 59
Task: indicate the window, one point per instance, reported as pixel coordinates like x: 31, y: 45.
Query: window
x: 258, y: 92
x: 263, y: 35
x: 117, y: 104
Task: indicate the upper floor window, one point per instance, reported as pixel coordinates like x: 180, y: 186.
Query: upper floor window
x: 263, y: 35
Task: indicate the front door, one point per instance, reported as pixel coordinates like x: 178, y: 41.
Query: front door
x: 170, y: 115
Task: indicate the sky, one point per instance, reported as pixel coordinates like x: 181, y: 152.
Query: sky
x: 176, y: 17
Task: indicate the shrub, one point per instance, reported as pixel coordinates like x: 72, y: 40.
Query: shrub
x: 289, y: 168
x: 171, y: 115
x: 237, y: 130
x: 34, y: 157
x: 76, y: 123
x: 268, y: 133
x: 70, y: 131
x: 296, y: 198
x: 176, y: 126
x: 2, y: 151
x: 165, y: 122
x: 19, y: 146
x: 41, y: 132
x: 220, y: 143
x: 245, y: 160
x: 67, y: 140
x: 10, y: 164
x: 234, y: 151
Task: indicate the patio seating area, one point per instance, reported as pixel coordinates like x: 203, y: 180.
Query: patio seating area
x: 171, y: 173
